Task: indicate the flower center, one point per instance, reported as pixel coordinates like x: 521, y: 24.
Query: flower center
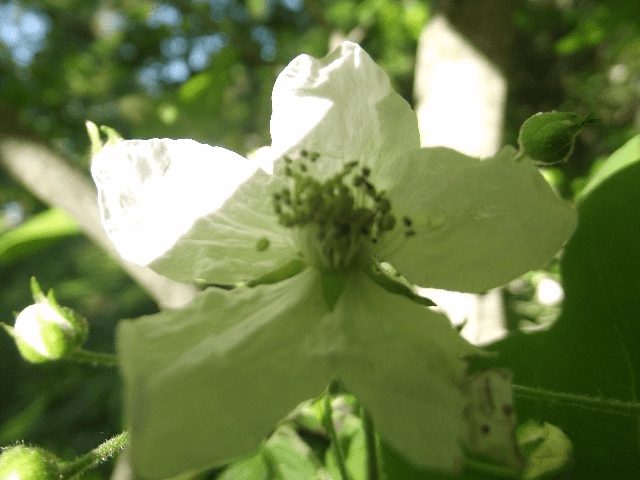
x: 339, y: 219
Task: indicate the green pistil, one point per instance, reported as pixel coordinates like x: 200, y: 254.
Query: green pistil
x: 347, y: 212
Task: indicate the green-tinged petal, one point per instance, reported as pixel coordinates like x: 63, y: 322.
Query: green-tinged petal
x: 405, y: 364
x: 240, y: 241
x: 342, y: 106
x: 207, y: 383
x: 152, y: 191
x: 477, y: 223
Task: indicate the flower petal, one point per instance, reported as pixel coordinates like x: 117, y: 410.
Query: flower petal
x: 152, y: 191
x: 405, y: 364
x: 478, y: 223
x: 205, y: 384
x: 343, y: 107
x: 240, y: 241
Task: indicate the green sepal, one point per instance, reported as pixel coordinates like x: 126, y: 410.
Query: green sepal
x: 549, y: 137
x: 288, y: 270
x: 388, y: 278
x: 548, y: 450
x: 93, y: 132
x: 333, y: 283
x: 78, y: 323
x: 36, y: 291
x: 112, y: 135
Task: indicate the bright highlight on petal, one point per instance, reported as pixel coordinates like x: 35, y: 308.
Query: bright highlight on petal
x: 343, y: 106
x: 152, y: 191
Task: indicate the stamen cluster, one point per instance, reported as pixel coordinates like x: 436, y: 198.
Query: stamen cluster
x: 347, y: 211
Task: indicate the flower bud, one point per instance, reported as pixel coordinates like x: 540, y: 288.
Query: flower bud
x: 46, y: 331
x: 28, y: 463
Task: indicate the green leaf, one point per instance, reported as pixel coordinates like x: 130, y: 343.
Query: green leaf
x: 35, y: 234
x: 549, y: 137
x: 288, y: 457
x: 625, y: 156
x: 252, y: 468
x: 593, y: 347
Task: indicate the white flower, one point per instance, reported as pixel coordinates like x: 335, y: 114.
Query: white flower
x: 351, y: 188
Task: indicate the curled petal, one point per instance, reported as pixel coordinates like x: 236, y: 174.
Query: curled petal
x: 152, y: 191
x: 475, y: 224
x: 343, y: 107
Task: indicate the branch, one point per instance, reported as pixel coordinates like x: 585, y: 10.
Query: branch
x: 47, y: 174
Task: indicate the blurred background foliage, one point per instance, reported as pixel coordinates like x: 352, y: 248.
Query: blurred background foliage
x: 204, y: 69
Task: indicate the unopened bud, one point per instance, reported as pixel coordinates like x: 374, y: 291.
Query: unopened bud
x: 28, y: 463
x: 45, y: 331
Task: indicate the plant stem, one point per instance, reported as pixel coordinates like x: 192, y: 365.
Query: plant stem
x: 328, y: 421
x: 371, y: 445
x: 95, y: 358
x: 614, y: 407
x: 76, y: 468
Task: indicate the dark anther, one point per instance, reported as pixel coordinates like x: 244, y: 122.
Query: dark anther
x: 357, y: 181
x: 287, y: 160
x: 303, y: 167
x: 343, y: 228
x: 366, y: 171
x: 407, y: 221
x: 276, y: 196
x: 384, y: 205
x: 371, y: 190
x: 288, y: 172
x: 485, y: 429
x: 409, y: 233
x: 507, y: 409
x: 304, y: 153
x: 388, y: 222
x: 314, y: 156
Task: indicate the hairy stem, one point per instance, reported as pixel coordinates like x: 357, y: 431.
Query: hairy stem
x: 73, y: 470
x: 614, y: 407
x: 95, y: 358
